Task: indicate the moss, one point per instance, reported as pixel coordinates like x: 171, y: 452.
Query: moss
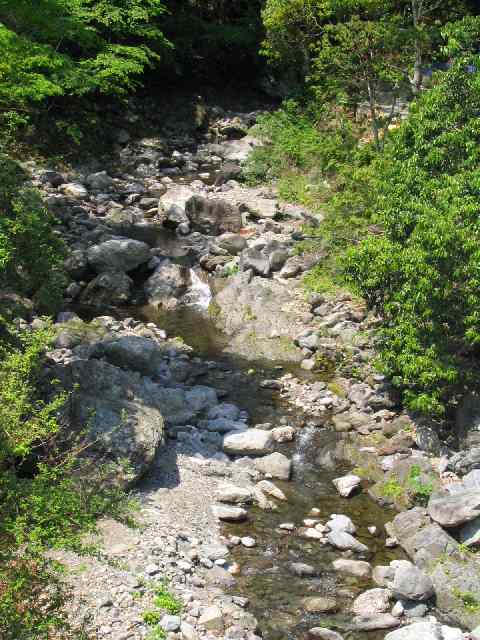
x: 469, y: 601
x: 337, y: 389
x: 214, y: 310
x: 249, y: 315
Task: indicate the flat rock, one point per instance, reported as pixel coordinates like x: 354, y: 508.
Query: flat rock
x: 269, y: 489
x: 302, y: 570
x: 250, y: 442
x: 231, y: 494
x: 454, y: 510
x: 229, y: 514
x: 322, y: 633
x: 319, y: 604
x: 379, y: 621
x: 425, y: 631
x: 121, y: 254
x: 412, y: 583
x: 372, y: 602
x: 339, y: 522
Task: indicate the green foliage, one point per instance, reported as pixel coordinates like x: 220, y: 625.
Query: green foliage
x: 469, y: 601
x: 151, y: 618
x: 156, y: 634
x: 421, y: 271
x: 165, y: 600
x: 31, y: 255
x: 420, y: 490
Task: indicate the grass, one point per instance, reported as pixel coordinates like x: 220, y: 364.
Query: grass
x: 166, y: 600
x: 469, y: 600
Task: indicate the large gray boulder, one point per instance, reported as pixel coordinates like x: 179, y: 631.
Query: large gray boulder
x: 468, y: 420
x: 256, y: 260
x: 425, y: 631
x: 133, y: 352
x: 76, y: 264
x: 343, y: 540
x: 99, y: 181
x: 412, y: 584
x: 452, y: 510
x: 275, y: 465
x: 250, y: 442
x: 177, y: 195
x: 121, y: 254
x: 167, y: 284
x: 213, y: 216
x: 116, y: 413
x: 372, y: 602
x: 108, y: 289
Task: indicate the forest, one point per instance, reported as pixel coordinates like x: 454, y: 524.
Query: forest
x: 374, y: 126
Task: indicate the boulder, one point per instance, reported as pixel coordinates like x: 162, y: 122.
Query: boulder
x: 275, y: 465
x: 229, y: 514
x: 167, y: 284
x: 100, y: 181
x: 118, y: 414
x: 231, y: 494
x: 470, y: 533
x: 346, y: 485
x: 425, y: 631
x: 319, y: 604
x: 212, y: 619
x: 372, y: 602
x: 121, y: 254
x: 322, y: 633
x: 177, y: 195
x: 454, y: 510
x: 256, y: 260
x: 343, y: 540
x: 110, y: 288
x: 412, y: 584
x: 340, y: 522
x: 213, y: 216
x: 132, y: 352
x: 74, y: 190
x: 250, y: 442
x: 233, y: 243
x: 302, y: 570
x: 76, y: 265
x: 228, y: 171
x: 378, y: 621
x: 269, y: 489
x: 357, y: 568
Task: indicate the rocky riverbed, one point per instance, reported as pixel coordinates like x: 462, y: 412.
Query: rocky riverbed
x: 266, y: 452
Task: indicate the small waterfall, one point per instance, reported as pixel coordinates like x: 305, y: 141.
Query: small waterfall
x: 198, y: 294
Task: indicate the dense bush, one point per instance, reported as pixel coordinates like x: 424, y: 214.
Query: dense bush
x: 422, y: 272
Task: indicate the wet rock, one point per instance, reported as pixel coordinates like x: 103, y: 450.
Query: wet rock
x: 121, y: 255
x: 412, y: 584
x: 213, y: 217
x: 425, y: 631
x: 372, y: 602
x: 167, y: 284
x: 233, y: 495
x: 357, y: 568
x: 349, y: 421
x: 110, y: 288
x: 319, y: 604
x: 229, y: 514
x: 275, y: 465
x: 224, y: 410
x: 454, y: 510
x: 346, y: 485
x: 292, y: 267
x: 222, y: 425
x: 250, y: 442
x: 412, y: 609
x: 248, y: 542
x: 188, y: 631
x: 342, y: 540
x: 54, y: 178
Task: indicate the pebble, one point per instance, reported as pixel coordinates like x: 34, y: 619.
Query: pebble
x: 248, y: 542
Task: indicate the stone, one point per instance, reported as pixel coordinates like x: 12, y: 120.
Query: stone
x: 372, y: 602
x: 110, y: 288
x: 167, y: 284
x: 213, y: 217
x: 319, y: 604
x: 132, y: 352
x: 346, y: 485
x: 229, y: 514
x: 342, y: 540
x: 412, y: 609
x: 465, y: 461
x: 340, y: 522
x: 100, y: 181
x: 250, y: 442
x: 275, y: 465
x: 74, y: 190
x: 425, y: 631
x: 233, y: 243
x: 170, y: 623
x: 357, y: 568
x: 118, y: 425
x: 121, y: 255
x: 412, y: 584
x: 254, y: 259
x: 302, y: 570
x: 222, y: 425
x: 269, y: 489
x: 233, y: 495
x: 283, y: 434
x: 378, y: 621
x: 383, y: 575
x: 248, y: 542
x: 54, y: 178
x: 177, y: 195
x: 228, y: 171
x: 212, y: 619
x: 224, y: 410
x: 188, y: 631
x: 76, y: 265
x: 454, y: 510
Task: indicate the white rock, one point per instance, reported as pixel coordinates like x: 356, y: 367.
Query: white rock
x: 346, y: 485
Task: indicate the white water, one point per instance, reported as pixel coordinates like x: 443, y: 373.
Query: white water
x: 198, y: 294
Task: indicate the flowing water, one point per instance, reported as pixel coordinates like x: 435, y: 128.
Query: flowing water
x: 276, y: 595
